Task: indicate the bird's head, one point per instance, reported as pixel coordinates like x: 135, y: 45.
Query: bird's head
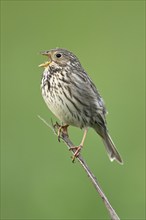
x: 60, y: 57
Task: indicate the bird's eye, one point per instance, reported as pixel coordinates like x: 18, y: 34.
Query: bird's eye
x: 58, y: 55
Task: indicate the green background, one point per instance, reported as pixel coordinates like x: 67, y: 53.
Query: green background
x: 38, y: 179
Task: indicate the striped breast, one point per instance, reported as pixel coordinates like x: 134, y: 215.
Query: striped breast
x: 57, y: 93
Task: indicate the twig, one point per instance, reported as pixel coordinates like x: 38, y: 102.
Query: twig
x: 93, y: 179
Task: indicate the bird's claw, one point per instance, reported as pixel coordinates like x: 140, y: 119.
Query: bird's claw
x: 61, y: 130
x: 76, y: 152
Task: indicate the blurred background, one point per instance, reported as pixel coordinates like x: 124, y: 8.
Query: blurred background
x: 39, y: 180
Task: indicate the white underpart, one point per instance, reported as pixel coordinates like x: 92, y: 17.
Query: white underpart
x: 55, y: 104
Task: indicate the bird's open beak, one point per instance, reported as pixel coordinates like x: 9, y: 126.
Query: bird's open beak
x: 46, y: 63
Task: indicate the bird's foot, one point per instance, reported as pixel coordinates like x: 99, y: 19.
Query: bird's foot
x: 62, y: 130
x: 77, y: 151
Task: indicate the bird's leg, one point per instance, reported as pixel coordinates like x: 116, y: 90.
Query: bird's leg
x: 78, y: 148
x: 62, y: 130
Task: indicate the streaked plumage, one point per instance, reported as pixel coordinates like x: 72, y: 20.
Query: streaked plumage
x: 73, y: 98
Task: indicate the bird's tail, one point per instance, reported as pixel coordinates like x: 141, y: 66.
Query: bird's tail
x: 109, y: 145
x: 111, y: 149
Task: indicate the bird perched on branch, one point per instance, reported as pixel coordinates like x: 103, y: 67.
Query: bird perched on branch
x: 73, y: 98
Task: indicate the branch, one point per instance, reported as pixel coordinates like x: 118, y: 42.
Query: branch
x: 91, y: 176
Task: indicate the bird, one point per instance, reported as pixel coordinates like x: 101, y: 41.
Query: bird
x: 73, y: 98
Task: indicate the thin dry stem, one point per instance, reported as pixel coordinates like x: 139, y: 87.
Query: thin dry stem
x: 91, y: 176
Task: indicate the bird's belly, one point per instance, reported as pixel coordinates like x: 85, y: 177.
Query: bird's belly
x: 62, y: 108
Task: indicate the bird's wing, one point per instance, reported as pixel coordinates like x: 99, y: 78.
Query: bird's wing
x: 97, y: 95
x: 86, y: 90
